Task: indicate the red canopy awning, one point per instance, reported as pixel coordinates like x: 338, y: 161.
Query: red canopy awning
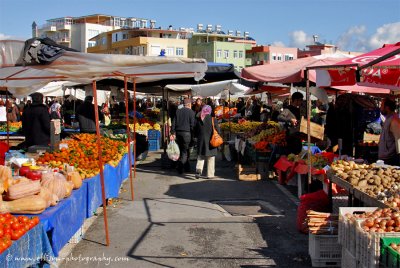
x: 384, y: 73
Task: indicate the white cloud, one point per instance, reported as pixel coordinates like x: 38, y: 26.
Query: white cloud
x: 300, y: 39
x: 278, y: 44
x: 386, y: 34
x: 5, y: 37
x: 357, y: 39
x: 354, y: 39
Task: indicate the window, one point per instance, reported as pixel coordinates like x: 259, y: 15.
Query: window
x: 226, y: 54
x: 155, y: 50
x: 266, y: 56
x: 124, y: 36
x: 235, y: 54
x: 279, y: 56
x: 169, y: 51
x: 288, y: 56
x: 117, y: 21
x: 273, y: 56
x: 179, y: 51
x: 240, y: 54
x: 219, y: 53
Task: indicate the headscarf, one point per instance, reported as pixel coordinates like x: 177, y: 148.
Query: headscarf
x: 55, y: 107
x: 205, y: 111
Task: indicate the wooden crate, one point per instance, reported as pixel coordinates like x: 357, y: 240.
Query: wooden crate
x: 316, y: 130
x: 368, y: 137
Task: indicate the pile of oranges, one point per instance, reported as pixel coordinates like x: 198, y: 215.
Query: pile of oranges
x: 82, y: 152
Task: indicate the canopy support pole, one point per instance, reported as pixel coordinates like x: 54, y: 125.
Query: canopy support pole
x: 99, y: 150
x: 128, y: 131
x: 308, y: 127
x: 229, y: 116
x: 7, y: 121
x: 163, y: 107
x: 134, y: 127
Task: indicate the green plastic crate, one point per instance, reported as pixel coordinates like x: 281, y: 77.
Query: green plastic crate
x: 389, y: 257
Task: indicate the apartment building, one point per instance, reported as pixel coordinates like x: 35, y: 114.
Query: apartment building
x: 318, y: 48
x: 260, y: 55
x: 77, y: 32
x: 215, y: 45
x: 143, y: 41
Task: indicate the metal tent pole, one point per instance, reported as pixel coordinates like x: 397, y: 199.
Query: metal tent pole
x: 99, y: 150
x: 7, y: 121
x: 134, y: 127
x: 128, y: 131
x: 308, y: 127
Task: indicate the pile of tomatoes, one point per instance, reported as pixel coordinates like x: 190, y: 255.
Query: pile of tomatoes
x: 12, y: 228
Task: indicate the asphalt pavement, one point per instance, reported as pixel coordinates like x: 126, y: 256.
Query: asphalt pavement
x: 180, y: 221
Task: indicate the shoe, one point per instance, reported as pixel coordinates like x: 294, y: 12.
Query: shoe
x: 198, y: 174
x: 211, y: 177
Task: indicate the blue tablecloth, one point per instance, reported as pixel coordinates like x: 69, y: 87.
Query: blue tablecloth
x: 10, y: 133
x: 29, y: 250
x: 314, y: 149
x: 64, y: 220
x: 71, y: 130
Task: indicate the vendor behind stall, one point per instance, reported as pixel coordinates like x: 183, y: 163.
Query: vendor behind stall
x: 86, y: 116
x: 36, y: 122
x: 389, y: 142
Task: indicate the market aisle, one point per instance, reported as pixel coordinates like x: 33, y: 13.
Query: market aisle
x: 173, y: 223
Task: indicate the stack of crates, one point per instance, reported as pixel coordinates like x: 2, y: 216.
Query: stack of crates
x: 154, y: 139
x: 324, y: 250
x: 347, y: 235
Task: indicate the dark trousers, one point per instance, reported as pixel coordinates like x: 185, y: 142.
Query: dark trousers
x: 183, y: 140
x: 393, y: 161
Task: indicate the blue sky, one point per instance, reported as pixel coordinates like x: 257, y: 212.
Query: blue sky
x: 356, y: 25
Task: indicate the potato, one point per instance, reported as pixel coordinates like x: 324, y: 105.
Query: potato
x: 354, y: 181
x: 362, y: 183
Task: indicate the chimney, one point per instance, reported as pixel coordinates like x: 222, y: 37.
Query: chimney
x: 143, y: 23
x: 34, y: 30
x: 238, y: 33
x: 199, y: 27
x: 152, y: 24
x: 246, y: 34
x: 170, y: 28
x: 209, y: 28
x: 230, y: 32
x: 315, y: 38
x: 217, y: 28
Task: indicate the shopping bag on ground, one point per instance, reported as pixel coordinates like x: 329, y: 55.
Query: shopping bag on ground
x: 173, y: 151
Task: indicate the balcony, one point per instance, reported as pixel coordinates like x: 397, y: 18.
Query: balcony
x: 63, y: 40
x: 64, y: 27
x: 50, y: 28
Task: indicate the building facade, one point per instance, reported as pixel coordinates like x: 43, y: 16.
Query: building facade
x: 214, y: 45
x: 77, y: 32
x: 142, y: 42
x: 260, y: 55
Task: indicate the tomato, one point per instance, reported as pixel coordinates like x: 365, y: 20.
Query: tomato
x: 2, y: 219
x: 7, y: 230
x: 31, y: 225
x: 25, y: 227
x: 15, y: 235
x: 8, y: 241
x: 10, y: 221
x: 23, y: 219
x: 6, y: 225
x: 36, y: 220
x: 7, y: 215
x: 7, y: 236
x: 16, y: 226
x: 1, y: 232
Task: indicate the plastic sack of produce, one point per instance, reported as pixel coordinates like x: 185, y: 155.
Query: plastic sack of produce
x: 173, y: 151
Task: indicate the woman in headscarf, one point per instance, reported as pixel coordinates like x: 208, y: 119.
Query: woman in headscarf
x: 55, y: 111
x: 205, y: 151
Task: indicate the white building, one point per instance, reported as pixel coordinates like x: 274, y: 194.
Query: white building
x: 76, y: 32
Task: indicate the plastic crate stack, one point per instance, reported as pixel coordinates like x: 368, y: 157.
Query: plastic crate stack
x: 347, y: 235
x: 154, y: 138
x: 324, y: 250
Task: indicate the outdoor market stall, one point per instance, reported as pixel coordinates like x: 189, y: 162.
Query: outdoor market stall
x: 84, y: 68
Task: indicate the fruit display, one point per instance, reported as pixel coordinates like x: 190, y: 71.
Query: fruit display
x: 371, y: 179
x: 270, y: 125
x: 243, y: 126
x: 12, y: 127
x: 224, y: 112
x: 82, y: 153
x: 13, y: 228
x: 318, y: 161
x: 395, y: 246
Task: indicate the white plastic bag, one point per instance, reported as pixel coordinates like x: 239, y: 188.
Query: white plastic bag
x: 173, y: 151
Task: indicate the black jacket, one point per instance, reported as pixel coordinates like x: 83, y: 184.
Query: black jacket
x: 184, y: 121
x: 86, y: 118
x: 36, y: 125
x: 203, y: 132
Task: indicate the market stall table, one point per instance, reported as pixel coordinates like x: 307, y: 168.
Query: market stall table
x: 30, y: 250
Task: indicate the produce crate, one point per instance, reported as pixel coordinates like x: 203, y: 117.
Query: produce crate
x: 324, y: 250
x: 247, y: 173
x: 316, y: 130
x: 153, y: 134
x: 368, y: 246
x: 154, y: 145
x: 390, y: 258
x: 348, y: 259
x: 347, y: 228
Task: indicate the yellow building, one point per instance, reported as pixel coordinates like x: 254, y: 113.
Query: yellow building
x: 142, y: 42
